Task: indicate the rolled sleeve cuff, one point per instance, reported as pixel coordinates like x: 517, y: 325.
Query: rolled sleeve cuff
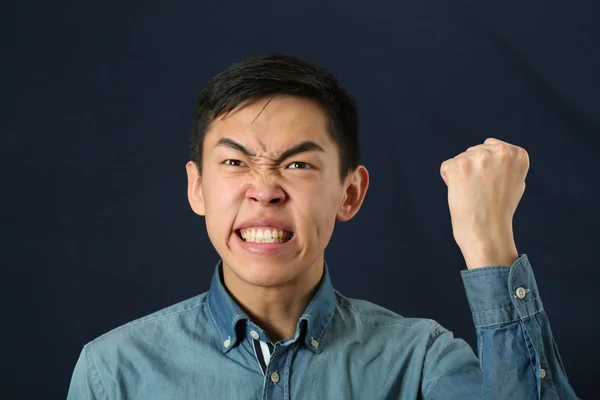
x: 501, y: 294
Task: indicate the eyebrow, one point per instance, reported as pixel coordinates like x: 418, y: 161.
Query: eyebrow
x: 301, y: 147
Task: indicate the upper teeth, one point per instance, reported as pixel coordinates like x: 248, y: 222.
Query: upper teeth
x: 264, y: 235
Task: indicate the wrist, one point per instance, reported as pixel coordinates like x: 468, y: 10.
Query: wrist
x: 486, y: 254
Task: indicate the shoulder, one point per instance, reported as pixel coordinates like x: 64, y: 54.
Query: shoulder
x: 132, y: 350
x: 406, y: 340
x: 144, y: 331
x: 375, y: 317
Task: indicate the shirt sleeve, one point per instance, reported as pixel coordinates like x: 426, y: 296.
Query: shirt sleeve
x: 518, y: 355
x: 85, y: 379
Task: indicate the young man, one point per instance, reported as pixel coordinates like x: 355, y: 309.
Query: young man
x: 275, y: 162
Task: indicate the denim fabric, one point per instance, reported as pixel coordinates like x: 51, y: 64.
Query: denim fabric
x: 342, y: 349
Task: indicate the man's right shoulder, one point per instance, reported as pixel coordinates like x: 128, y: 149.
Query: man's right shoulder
x: 119, y: 358
x: 155, y: 326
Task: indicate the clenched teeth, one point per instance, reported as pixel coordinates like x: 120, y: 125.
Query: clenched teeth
x: 265, y: 235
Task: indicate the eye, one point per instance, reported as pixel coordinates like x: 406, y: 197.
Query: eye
x: 299, y: 165
x: 234, y: 163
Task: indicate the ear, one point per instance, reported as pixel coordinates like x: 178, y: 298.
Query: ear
x: 195, y: 188
x: 356, y: 185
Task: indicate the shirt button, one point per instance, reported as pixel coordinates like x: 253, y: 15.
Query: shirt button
x: 521, y: 293
x: 542, y: 373
x: 254, y: 334
x: 314, y: 343
x: 227, y: 343
x: 275, y: 377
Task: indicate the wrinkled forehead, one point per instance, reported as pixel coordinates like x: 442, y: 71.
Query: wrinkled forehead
x: 270, y: 126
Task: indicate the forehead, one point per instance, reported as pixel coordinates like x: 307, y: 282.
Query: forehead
x: 272, y: 124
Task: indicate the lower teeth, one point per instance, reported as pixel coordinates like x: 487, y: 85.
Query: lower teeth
x: 286, y: 238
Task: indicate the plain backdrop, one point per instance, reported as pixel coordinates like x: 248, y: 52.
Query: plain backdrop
x: 97, y: 105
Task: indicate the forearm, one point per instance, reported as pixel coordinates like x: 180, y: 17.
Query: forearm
x: 517, y: 352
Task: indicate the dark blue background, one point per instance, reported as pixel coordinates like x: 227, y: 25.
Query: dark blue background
x: 97, y: 104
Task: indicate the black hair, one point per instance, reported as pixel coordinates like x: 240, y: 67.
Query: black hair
x: 279, y: 75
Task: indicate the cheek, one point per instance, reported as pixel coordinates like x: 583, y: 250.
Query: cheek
x: 220, y: 192
x: 317, y: 210
x: 221, y: 201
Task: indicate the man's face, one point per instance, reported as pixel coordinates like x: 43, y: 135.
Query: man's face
x: 271, y: 169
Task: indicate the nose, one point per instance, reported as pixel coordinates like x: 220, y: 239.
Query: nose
x: 265, y: 193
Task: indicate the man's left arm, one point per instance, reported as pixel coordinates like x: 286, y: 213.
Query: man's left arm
x: 517, y: 351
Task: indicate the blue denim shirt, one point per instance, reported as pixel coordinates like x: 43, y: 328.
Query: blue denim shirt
x: 343, y: 348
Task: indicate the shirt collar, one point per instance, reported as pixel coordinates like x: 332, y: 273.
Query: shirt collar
x: 312, y: 324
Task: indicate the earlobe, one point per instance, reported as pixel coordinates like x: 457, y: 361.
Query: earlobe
x: 356, y: 189
x: 195, y: 196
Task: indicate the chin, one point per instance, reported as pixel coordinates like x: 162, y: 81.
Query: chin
x: 265, y: 274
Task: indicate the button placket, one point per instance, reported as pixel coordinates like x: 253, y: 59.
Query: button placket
x: 275, y: 377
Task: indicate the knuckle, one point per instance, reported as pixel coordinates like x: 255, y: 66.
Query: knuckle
x: 503, y: 149
x: 446, y: 164
x: 522, y: 152
x: 463, y: 163
x: 480, y: 156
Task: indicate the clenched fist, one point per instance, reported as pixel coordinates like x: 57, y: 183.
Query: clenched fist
x: 485, y: 185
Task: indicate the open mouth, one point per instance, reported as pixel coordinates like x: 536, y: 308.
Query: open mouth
x: 264, y: 235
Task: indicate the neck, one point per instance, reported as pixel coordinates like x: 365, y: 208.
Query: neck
x: 276, y: 309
